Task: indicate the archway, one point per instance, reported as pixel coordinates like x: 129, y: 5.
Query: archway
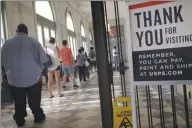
x: 45, y: 22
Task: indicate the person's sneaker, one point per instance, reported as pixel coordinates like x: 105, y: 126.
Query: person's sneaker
x: 40, y: 119
x: 85, y: 80
x: 51, y: 96
x: 68, y: 80
x: 61, y: 95
x: 75, y: 86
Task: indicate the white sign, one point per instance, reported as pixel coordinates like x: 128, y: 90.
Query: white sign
x: 161, y: 39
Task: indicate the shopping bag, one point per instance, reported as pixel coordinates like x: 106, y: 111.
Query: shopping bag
x: 86, y: 63
x: 122, y: 113
x: 6, y: 96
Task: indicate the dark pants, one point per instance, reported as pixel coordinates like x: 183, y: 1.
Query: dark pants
x: 93, y: 64
x: 115, y: 62
x: 33, y: 94
x: 87, y: 74
x: 46, y: 78
x: 81, y: 73
x: 75, y: 71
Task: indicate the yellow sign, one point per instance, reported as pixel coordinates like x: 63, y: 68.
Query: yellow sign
x: 122, y: 113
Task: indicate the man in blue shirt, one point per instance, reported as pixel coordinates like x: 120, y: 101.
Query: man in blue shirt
x: 22, y: 60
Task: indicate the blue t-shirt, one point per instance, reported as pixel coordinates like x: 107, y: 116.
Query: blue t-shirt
x: 23, y: 58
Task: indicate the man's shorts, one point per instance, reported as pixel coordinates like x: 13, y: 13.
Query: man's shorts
x: 68, y: 69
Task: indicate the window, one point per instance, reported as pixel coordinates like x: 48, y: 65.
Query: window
x: 43, y: 9
x: 82, y: 30
x: 85, y: 45
x: 46, y: 35
x: 90, y: 36
x: 45, y: 19
x: 2, y: 31
x: 71, y: 34
x: 75, y: 50
x: 70, y: 25
x: 52, y: 33
x: 39, y: 32
x: 83, y: 37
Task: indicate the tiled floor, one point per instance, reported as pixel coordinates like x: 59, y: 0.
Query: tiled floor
x: 77, y: 109
x: 81, y: 108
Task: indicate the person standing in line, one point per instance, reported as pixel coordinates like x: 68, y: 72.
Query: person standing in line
x: 67, y: 63
x: 23, y: 61
x: 45, y: 75
x: 92, y: 57
x: 54, y: 69
x: 75, y: 68
x: 81, y: 65
x: 87, y: 74
x: 83, y: 51
x: 115, y: 58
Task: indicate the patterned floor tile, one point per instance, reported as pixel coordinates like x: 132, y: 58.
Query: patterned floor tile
x: 83, y: 123
x: 95, y: 119
x: 81, y: 108
x: 87, y: 114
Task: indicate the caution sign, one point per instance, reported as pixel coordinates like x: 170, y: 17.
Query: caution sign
x: 122, y: 112
x: 126, y: 123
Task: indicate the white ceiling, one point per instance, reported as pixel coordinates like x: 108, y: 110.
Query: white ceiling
x: 85, y: 7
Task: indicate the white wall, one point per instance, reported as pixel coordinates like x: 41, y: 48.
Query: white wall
x: 20, y: 12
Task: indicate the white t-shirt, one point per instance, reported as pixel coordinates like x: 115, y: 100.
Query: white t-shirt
x: 94, y: 58
x: 53, y: 52
x: 114, y: 52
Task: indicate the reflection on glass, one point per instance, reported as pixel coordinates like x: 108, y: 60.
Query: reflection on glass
x: 46, y: 35
x: 40, y: 36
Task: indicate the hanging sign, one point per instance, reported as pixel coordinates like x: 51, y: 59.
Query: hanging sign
x: 161, y: 41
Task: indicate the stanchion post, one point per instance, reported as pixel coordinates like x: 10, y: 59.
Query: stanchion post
x: 186, y: 106
x: 102, y: 63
